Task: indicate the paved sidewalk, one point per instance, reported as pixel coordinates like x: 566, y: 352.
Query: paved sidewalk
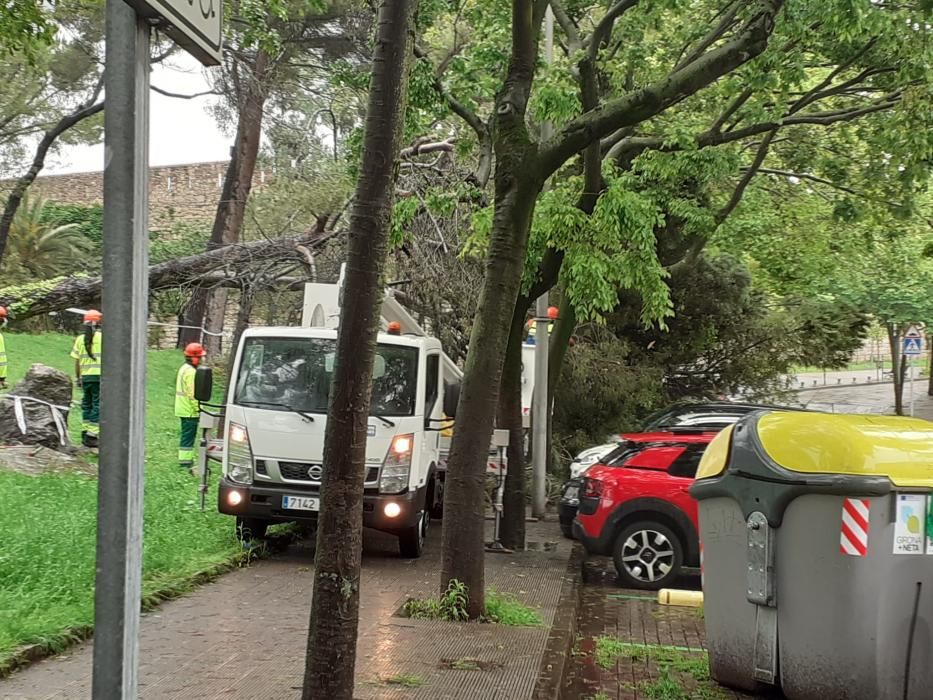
x: 631, y: 648
x: 243, y: 637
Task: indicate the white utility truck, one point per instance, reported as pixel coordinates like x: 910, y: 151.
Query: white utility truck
x: 276, y: 413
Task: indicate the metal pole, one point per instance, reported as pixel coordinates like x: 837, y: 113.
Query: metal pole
x: 539, y: 409
x: 123, y: 400
x: 539, y: 422
x: 910, y: 368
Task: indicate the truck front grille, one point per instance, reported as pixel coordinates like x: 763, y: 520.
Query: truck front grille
x: 300, y: 471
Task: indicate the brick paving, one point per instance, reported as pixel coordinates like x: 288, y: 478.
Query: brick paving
x: 635, y: 618
x: 243, y: 636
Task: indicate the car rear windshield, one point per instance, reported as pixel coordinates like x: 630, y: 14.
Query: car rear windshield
x: 623, y: 453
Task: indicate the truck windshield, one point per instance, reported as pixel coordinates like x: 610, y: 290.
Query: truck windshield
x: 282, y: 374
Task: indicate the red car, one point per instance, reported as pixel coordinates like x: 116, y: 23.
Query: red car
x: 635, y: 507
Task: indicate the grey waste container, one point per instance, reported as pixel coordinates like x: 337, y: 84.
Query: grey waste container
x: 818, y: 574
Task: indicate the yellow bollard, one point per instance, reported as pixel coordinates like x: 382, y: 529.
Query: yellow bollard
x: 687, y: 599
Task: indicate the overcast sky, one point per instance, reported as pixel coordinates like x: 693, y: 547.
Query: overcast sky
x: 181, y: 131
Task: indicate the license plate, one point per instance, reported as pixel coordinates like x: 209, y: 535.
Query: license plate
x: 571, y: 492
x: 300, y: 503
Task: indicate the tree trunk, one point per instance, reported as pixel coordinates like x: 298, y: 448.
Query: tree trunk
x: 214, y: 318
x: 518, y: 182
x: 331, y: 651
x: 897, y: 366
x: 463, y: 557
x: 245, y: 310
x: 206, y: 308
x: 512, y: 530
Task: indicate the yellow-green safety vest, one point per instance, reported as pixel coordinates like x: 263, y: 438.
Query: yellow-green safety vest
x: 90, y: 366
x: 533, y: 328
x: 186, y: 406
x: 3, y: 360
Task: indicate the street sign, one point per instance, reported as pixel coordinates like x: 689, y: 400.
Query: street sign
x: 195, y: 25
x: 913, y: 347
x: 913, y: 343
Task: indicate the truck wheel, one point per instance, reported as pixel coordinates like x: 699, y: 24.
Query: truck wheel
x: 411, y: 540
x: 250, y: 529
x: 647, y: 555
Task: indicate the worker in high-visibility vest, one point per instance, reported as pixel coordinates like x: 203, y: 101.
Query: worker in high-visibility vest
x: 86, y: 353
x: 187, y: 408
x: 532, y: 324
x: 3, y: 360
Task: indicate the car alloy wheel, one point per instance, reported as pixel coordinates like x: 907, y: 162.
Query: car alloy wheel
x: 647, y: 555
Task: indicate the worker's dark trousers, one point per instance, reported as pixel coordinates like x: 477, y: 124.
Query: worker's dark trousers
x: 189, y: 433
x: 90, y: 405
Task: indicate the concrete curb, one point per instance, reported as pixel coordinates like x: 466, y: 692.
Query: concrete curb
x: 561, y: 638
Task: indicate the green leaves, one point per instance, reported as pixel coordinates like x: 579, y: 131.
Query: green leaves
x: 25, y: 27
x: 612, y: 250
x: 404, y: 212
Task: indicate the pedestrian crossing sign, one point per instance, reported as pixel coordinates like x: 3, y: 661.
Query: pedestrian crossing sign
x: 913, y: 346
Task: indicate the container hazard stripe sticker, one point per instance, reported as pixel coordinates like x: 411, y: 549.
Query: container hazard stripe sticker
x: 853, y: 538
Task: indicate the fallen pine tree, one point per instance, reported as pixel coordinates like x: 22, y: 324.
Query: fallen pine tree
x: 221, y: 266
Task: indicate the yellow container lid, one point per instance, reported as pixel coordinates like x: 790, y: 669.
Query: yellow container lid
x: 861, y: 445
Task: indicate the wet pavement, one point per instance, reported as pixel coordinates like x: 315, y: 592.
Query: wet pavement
x: 629, y: 647
x: 243, y: 637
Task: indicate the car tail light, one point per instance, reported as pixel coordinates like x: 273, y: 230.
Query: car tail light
x: 592, y: 488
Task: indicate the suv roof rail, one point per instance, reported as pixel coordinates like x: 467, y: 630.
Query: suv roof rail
x: 688, y: 430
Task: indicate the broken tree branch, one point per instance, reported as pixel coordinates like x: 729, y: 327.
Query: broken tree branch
x: 231, y: 261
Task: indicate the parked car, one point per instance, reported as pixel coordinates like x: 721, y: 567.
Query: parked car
x: 635, y: 507
x: 567, y: 506
x: 708, y: 415
x: 589, y: 457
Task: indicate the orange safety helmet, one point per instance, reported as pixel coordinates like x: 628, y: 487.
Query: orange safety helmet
x: 93, y: 316
x: 195, y: 350
x: 3, y: 313
x: 552, y: 313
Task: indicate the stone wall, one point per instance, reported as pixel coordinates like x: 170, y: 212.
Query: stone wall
x: 177, y: 193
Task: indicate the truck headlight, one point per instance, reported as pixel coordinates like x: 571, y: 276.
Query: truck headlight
x: 396, y: 467
x: 239, y: 454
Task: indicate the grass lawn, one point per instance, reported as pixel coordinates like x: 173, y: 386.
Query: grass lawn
x: 47, y: 523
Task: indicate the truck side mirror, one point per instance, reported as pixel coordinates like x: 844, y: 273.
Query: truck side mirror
x: 203, y: 384
x: 451, y: 399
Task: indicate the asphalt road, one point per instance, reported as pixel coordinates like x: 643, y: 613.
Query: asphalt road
x: 867, y: 398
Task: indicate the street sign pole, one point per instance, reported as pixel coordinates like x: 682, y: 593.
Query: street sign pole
x: 913, y: 348
x: 539, y: 407
x: 539, y: 399
x: 123, y: 399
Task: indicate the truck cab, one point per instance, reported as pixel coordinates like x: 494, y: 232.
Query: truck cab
x: 276, y: 416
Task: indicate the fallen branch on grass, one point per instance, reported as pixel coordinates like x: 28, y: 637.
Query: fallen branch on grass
x: 229, y: 262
